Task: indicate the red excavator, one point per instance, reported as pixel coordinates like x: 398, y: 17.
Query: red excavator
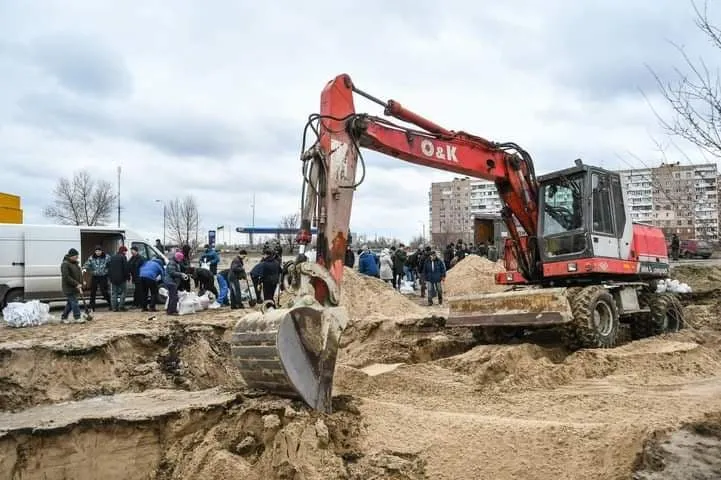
x: 574, y: 259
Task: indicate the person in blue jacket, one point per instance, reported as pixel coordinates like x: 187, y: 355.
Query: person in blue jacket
x: 149, y: 274
x: 212, y: 257
x: 368, y: 263
x: 434, y: 272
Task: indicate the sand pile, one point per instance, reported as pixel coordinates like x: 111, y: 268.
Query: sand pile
x: 473, y: 274
x: 701, y: 278
x: 366, y: 296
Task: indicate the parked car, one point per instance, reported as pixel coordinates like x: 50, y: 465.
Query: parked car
x: 695, y: 248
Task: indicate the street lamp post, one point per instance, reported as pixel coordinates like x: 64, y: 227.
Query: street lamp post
x: 423, y: 230
x: 164, y: 217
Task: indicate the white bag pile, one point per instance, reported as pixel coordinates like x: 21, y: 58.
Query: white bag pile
x: 407, y: 287
x: 190, y: 302
x: 30, y: 314
x: 672, y: 286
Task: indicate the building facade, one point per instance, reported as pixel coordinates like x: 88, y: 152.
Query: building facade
x: 681, y: 199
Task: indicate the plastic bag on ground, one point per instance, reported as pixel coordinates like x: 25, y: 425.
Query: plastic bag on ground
x: 204, y: 301
x: 407, y: 287
x: 188, y: 303
x: 672, y: 286
x: 30, y: 314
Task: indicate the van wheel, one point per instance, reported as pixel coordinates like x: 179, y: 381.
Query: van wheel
x: 15, y: 295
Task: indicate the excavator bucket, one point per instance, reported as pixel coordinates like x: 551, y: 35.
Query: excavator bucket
x: 291, y: 352
x: 518, y: 308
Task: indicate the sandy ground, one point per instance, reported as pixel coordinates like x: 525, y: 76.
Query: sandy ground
x: 125, y: 396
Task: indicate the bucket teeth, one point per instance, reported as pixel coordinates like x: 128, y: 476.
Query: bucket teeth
x: 290, y: 352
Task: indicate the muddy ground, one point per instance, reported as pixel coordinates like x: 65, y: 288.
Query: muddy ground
x: 129, y: 396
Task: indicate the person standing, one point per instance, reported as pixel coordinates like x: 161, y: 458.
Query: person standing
x: 235, y: 274
x: 349, y: 260
x: 97, y: 265
x: 267, y: 272
x: 118, y: 274
x: 675, y: 247
x: 386, y: 266
x: 399, y: 264
x: 422, y: 260
x: 72, y: 284
x: 212, y: 257
x: 435, y: 274
x: 136, y: 261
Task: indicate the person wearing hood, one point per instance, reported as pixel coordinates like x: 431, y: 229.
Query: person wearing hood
x: 72, y: 284
x: 368, y: 263
x: 435, y: 274
x: 118, y: 273
x: 97, y: 265
x: 386, y: 266
x: 173, y: 276
x: 212, y: 257
x: 149, y: 274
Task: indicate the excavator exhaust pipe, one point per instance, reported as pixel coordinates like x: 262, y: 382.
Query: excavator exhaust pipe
x: 519, y: 308
x: 291, y: 352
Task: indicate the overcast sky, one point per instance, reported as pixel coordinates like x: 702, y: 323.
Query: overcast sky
x: 209, y: 98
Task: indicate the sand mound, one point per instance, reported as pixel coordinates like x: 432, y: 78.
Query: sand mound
x: 473, y: 274
x: 366, y: 296
x: 701, y: 278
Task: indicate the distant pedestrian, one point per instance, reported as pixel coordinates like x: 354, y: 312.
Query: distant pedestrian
x: 211, y: 256
x: 349, y: 260
x: 118, y: 274
x: 134, y: 263
x: 97, y: 265
x: 399, y: 264
x: 72, y: 284
x: 386, y: 266
x: 435, y: 275
x: 237, y: 273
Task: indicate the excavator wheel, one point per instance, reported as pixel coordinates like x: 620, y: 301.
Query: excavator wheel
x: 290, y: 352
x: 595, y: 319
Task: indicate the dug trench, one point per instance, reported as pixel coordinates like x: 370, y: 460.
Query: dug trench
x: 412, y: 401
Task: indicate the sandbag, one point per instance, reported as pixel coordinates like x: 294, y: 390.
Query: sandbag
x: 30, y: 314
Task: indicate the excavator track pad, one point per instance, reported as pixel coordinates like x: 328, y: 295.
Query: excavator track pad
x: 291, y: 352
x: 517, y: 308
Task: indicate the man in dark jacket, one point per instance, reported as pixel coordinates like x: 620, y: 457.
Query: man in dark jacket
x: 118, y: 273
x: 72, y: 283
x: 184, y: 286
x: 204, y: 280
x: 136, y: 261
x: 399, y: 262
x: 675, y: 247
x: 97, y: 265
x: 435, y: 273
x: 235, y: 274
x: 267, y: 273
x: 349, y: 257
x: 422, y: 260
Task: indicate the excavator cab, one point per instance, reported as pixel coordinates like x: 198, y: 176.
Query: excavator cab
x: 582, y: 216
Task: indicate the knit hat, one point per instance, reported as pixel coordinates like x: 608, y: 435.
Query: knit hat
x: 179, y: 257
x: 72, y: 253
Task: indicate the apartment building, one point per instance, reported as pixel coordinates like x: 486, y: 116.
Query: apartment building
x: 681, y: 199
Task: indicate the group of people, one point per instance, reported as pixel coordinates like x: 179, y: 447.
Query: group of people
x: 111, y: 274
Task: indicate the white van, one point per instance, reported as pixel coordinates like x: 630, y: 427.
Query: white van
x: 30, y: 256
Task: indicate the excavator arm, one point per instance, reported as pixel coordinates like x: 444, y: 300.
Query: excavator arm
x: 333, y: 159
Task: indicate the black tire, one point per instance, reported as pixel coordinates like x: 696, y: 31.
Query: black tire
x: 666, y: 314
x: 14, y: 295
x: 595, y: 319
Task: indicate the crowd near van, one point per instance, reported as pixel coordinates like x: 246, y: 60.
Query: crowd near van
x: 30, y: 256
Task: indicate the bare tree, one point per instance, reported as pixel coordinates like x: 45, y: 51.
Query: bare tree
x: 289, y: 221
x: 81, y: 200
x: 694, y: 94
x: 417, y: 241
x: 182, y: 220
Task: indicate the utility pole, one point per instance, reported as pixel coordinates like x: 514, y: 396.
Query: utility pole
x: 164, y: 217
x: 252, y: 221
x: 118, y: 196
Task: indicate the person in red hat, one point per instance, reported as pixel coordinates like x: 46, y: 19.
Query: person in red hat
x: 119, y: 274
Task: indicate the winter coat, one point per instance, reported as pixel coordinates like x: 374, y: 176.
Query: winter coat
x: 98, y: 266
x: 267, y: 270
x: 173, y: 272
x: 434, y: 270
x: 72, y: 276
x: 422, y: 259
x: 399, y: 261
x: 152, y: 269
x: 118, y: 269
x: 210, y: 256
x: 237, y: 269
x: 386, y: 266
x: 134, y: 264
x: 349, y: 260
x: 367, y: 264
